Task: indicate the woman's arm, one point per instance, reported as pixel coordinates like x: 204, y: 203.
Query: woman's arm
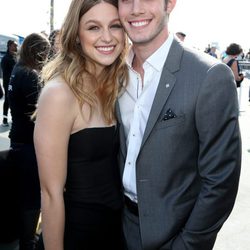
x: 54, y: 121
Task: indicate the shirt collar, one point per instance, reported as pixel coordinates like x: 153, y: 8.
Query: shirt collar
x: 158, y: 58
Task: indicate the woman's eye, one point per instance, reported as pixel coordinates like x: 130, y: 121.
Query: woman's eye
x: 93, y: 28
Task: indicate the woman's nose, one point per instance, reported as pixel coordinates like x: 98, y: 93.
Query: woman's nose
x: 107, y: 36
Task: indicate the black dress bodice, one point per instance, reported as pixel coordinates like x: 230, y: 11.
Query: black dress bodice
x: 93, y: 174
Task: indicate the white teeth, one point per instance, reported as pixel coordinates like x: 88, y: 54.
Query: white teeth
x: 139, y: 24
x: 105, y: 48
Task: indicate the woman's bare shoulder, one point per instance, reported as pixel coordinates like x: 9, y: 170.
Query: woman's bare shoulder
x: 57, y: 90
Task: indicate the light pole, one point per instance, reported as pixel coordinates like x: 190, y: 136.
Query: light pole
x: 51, y: 15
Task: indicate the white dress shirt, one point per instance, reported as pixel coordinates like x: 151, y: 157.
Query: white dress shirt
x: 135, y: 105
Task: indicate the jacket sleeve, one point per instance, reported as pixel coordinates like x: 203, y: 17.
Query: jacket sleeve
x: 219, y: 161
x: 30, y: 89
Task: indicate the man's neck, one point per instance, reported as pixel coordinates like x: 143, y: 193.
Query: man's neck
x: 137, y: 65
x: 143, y: 51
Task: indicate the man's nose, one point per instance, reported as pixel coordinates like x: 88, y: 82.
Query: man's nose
x: 137, y: 7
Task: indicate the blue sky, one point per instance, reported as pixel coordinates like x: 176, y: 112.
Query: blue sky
x: 204, y: 21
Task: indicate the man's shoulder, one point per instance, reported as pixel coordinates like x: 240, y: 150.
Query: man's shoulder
x: 198, y: 58
x: 3, y: 58
x: 198, y: 63
x: 7, y: 58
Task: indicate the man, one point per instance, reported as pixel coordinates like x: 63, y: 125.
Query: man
x: 212, y: 51
x: 180, y: 140
x: 7, y: 64
x: 181, y: 36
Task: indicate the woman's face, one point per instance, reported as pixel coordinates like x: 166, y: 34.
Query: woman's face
x: 57, y: 45
x: 101, y: 35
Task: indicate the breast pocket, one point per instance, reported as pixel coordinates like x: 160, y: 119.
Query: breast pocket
x: 171, y: 122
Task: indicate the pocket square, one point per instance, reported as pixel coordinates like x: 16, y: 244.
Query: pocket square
x: 169, y: 115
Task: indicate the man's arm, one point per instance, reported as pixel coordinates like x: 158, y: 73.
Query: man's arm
x: 219, y: 160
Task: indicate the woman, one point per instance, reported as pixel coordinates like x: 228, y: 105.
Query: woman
x: 76, y: 135
x: 23, y: 92
x: 54, y: 39
x: 232, y: 52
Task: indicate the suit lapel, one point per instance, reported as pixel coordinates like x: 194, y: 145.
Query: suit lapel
x: 163, y: 91
x: 165, y: 86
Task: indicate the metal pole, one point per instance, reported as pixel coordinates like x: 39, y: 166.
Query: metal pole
x: 51, y: 15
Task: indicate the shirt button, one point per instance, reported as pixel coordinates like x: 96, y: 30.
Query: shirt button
x: 129, y: 163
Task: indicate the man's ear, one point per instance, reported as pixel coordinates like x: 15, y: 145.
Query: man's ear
x: 170, y: 6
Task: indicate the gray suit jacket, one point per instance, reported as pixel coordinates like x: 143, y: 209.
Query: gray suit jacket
x: 188, y: 167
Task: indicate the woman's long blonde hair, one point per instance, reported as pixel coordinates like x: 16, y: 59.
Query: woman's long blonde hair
x: 71, y: 64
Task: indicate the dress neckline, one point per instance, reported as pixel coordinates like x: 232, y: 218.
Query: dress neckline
x: 93, y: 128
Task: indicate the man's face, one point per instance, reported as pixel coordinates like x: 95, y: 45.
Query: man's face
x: 13, y: 48
x: 145, y: 21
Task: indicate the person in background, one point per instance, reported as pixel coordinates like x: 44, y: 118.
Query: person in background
x: 24, y: 88
x: 247, y: 57
x: 181, y: 36
x: 232, y: 52
x: 8, y: 62
x: 208, y: 48
x: 212, y: 51
x: 54, y: 39
x: 76, y: 136
x: 180, y: 141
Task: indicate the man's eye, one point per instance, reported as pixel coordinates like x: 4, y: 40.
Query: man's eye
x: 116, y: 26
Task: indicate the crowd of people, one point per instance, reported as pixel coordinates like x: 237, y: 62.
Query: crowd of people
x: 119, y: 137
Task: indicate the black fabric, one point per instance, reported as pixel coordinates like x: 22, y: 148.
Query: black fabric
x: 7, y: 63
x: 6, y: 102
x: 92, y: 227
x: 9, y: 198
x: 23, y: 93
x: 20, y: 195
x: 131, y: 206
x: 1, y: 91
x: 93, y: 172
x: 28, y: 222
x: 238, y: 83
x: 93, y: 197
x: 229, y: 63
x: 28, y: 183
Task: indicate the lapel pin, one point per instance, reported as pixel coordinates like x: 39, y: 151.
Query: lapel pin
x: 167, y: 85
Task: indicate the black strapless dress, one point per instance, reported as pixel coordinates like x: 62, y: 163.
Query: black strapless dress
x: 93, y: 197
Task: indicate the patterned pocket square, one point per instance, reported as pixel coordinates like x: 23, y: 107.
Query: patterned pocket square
x: 169, y: 115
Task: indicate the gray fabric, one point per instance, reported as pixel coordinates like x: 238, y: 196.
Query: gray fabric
x: 131, y: 231
x: 188, y: 167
